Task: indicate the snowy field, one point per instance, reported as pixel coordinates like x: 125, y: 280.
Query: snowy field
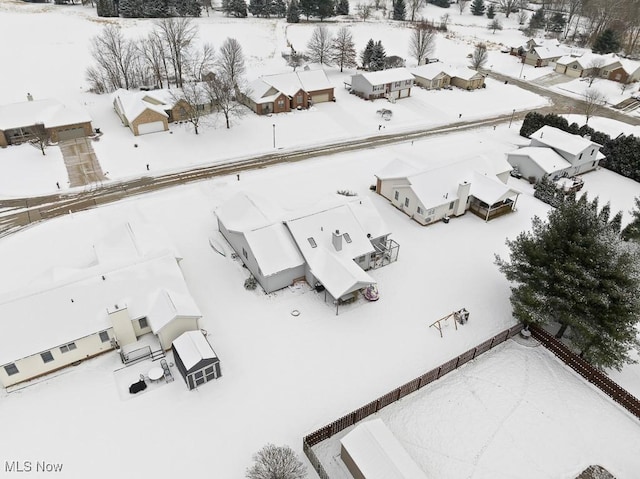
x: 283, y: 376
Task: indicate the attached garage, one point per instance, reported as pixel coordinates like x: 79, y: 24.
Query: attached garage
x: 320, y: 96
x: 195, y: 358
x: 153, y: 127
x: 71, y: 134
x: 404, y: 93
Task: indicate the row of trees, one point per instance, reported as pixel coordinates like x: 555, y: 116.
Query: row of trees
x: 292, y: 9
x: 148, y: 8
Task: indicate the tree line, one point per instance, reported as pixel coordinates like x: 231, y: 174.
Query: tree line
x: 148, y: 8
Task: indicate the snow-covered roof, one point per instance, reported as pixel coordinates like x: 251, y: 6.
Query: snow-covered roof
x: 339, y: 276
x: 274, y: 248
x: 193, y: 347
x: 168, y: 305
x: 261, y: 92
x: 630, y: 66
x: 562, y: 140
x: 463, y: 72
x: 587, y: 60
x: 314, y: 80
x: 428, y: 71
x: 549, y: 51
x: 132, y: 105
x: 378, y: 454
x: 50, y: 112
x: 246, y: 212
x: 490, y: 189
x: 545, y: 158
x: 287, y: 83
x: 269, y: 87
x: 398, y: 168
x: 387, y: 76
x: 42, y: 318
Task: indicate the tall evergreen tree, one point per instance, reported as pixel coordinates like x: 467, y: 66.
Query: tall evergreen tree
x: 260, y: 8
x: 537, y: 20
x: 607, y: 42
x: 131, y: 8
x: 156, y: 8
x: 477, y: 7
x: 441, y: 3
x: 324, y: 9
x: 575, y: 270
x: 399, y: 10
x: 293, y: 12
x: 307, y: 7
x: 238, y: 8
x: 365, y: 56
x: 491, y: 11
x: 557, y: 22
x: 378, y: 56
x: 107, y: 8
x: 631, y: 232
x: 279, y: 8
x: 342, y: 7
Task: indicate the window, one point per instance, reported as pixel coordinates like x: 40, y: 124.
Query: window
x: 11, y: 369
x: 210, y: 373
x: 419, y: 210
x: 593, y: 164
x: 406, y: 201
x: 68, y: 347
x: 431, y: 211
x: 198, y: 374
x: 281, y: 103
x: 451, y: 205
x: 396, y: 195
x: 397, y: 84
x: 47, y: 357
x: 244, y: 253
x: 142, y: 322
x: 104, y: 336
x: 575, y: 67
x: 347, y: 238
x: 580, y: 157
x: 200, y: 107
x: 299, y: 99
x: 593, y: 150
x: 312, y: 242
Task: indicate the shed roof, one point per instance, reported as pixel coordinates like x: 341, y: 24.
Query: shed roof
x: 193, y: 347
x: 387, y: 76
x: 50, y: 112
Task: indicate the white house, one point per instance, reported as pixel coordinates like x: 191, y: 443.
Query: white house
x: 371, y: 451
x: 544, y: 55
x: 440, y: 192
x: 555, y: 153
x: 393, y: 83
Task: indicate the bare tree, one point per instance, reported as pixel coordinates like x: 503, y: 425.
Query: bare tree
x: 319, y: 46
x: 115, y: 57
x: 364, y: 11
x: 273, y: 462
x: 231, y: 61
x: 152, y: 53
x: 594, y: 69
x: 479, y: 56
x: 444, y: 21
x: 343, y: 50
x: 494, y: 25
x: 190, y: 103
x: 41, y: 136
x: 593, y: 101
x: 223, y: 93
x: 508, y: 6
x: 177, y: 34
x: 522, y: 16
x: 422, y: 42
x: 414, y: 6
x: 462, y: 4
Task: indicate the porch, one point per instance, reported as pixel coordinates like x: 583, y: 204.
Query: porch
x: 489, y: 212
x: 385, y: 253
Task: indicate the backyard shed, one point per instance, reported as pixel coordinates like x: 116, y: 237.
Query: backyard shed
x: 195, y: 358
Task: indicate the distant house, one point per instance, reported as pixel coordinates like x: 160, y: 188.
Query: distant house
x: 439, y: 193
x: 287, y: 91
x: 393, y: 83
x: 544, y: 55
x: 195, y: 359
x: 371, y: 451
x: 431, y: 76
x: 577, y: 67
x: 555, y: 153
x: 17, y: 121
x: 631, y: 70
x: 82, y: 313
x: 466, y: 78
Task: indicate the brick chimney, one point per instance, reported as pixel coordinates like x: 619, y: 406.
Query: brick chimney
x: 336, y: 239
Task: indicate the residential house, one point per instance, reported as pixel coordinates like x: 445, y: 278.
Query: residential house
x: 18, y: 121
x: 544, y: 55
x: 631, y: 69
x: 172, y: 314
x: 444, y: 191
x: 466, y: 78
x: 195, y: 359
x: 608, y: 66
x: 555, y: 153
x: 431, y: 76
x: 371, y: 451
x: 392, y: 84
x: 79, y: 314
x: 287, y: 91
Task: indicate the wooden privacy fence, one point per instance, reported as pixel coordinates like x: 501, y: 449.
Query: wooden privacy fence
x: 374, y: 406
x: 587, y: 371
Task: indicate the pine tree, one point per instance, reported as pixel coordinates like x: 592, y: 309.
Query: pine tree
x: 293, y: 12
x: 259, y: 8
x: 399, y: 10
x: 238, y: 8
x: 378, y: 56
x: 557, y: 22
x: 631, y: 232
x: 491, y: 12
x: 477, y: 7
x: 156, y: 8
x: 307, y: 7
x: 606, y: 42
x: 441, y: 3
x: 342, y: 7
x: 106, y: 8
x: 131, y: 8
x: 324, y: 9
x: 279, y: 8
x: 537, y: 20
x: 365, y: 56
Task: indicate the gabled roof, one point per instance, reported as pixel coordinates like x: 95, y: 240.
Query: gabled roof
x: 561, y: 140
x: 246, y: 212
x: 261, y: 92
x: 274, y: 248
x: 193, y: 347
x: 428, y: 71
x: 387, y: 76
x: 630, y: 66
x: 546, y: 158
x: 314, y: 80
x: 51, y: 113
x: 586, y: 60
x: 269, y: 87
x: 490, y: 190
x: 547, y: 52
x: 464, y: 73
x: 167, y: 306
x: 132, y: 105
x: 397, y: 169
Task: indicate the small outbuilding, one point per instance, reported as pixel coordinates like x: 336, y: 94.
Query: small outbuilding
x: 195, y: 358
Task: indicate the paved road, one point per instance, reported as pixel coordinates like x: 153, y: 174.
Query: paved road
x: 16, y: 214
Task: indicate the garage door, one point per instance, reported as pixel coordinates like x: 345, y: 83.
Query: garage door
x: 70, y: 134
x: 320, y: 98
x: 404, y: 93
x: 150, y: 127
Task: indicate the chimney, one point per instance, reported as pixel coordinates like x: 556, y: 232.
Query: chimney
x: 464, y: 189
x: 336, y: 239
x: 29, y: 97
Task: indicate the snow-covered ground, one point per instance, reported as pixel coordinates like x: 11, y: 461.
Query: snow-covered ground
x: 283, y: 376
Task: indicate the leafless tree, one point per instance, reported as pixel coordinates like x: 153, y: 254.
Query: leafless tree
x: 231, y: 61
x: 343, y: 50
x: 508, y: 6
x: 494, y: 25
x: 191, y: 101
x: 295, y: 59
x: 319, y: 46
x: 177, y: 34
x: 522, y: 16
x: 593, y: 101
x: 115, y: 57
x: 413, y: 7
x: 202, y: 61
x: 422, y: 42
x: 279, y: 462
x: 41, y: 136
x: 594, y: 69
x: 364, y: 11
x: 152, y: 52
x: 479, y: 56
x: 378, y: 4
x: 223, y: 93
x: 444, y: 21
x: 462, y: 4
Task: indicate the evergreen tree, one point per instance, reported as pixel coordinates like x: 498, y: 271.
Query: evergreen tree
x: 238, y: 8
x: 378, y: 56
x: 477, y: 7
x: 342, y: 7
x: 399, y: 10
x: 259, y: 8
x: 607, y: 42
x: 631, y: 232
x: 575, y: 270
x: 279, y: 8
x: 365, y: 56
x: 293, y: 12
x: 106, y: 8
x: 545, y: 190
x: 324, y: 9
x: 491, y: 11
x: 131, y: 8
x: 557, y: 22
x: 307, y: 7
x: 441, y: 3
x: 537, y: 20
x: 156, y: 8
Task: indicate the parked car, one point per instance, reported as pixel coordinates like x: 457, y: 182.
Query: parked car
x: 636, y: 96
x: 515, y: 173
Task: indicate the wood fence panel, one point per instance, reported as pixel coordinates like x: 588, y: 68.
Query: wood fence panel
x: 483, y: 347
x: 409, y: 387
x: 466, y: 357
x: 391, y: 397
x: 366, y: 411
x: 428, y: 378
x: 448, y: 367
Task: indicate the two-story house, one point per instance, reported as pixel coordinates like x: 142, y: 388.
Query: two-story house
x: 392, y: 84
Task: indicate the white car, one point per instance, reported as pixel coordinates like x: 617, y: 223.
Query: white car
x: 636, y: 96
